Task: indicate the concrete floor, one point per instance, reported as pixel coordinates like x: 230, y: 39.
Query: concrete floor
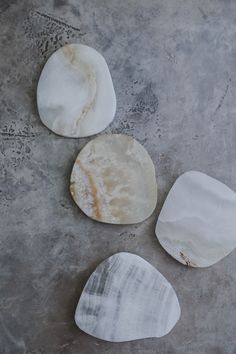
x: 173, y: 65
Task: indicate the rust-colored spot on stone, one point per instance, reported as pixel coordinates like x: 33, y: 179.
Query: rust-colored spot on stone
x: 72, y: 188
x: 94, y: 193
x: 186, y: 260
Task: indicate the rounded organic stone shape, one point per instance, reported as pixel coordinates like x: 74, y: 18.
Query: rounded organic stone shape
x: 125, y: 299
x: 113, y: 180
x: 197, y: 224
x: 75, y: 93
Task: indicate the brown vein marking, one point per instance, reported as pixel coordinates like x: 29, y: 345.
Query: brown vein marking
x: 187, y: 260
x: 94, y: 192
x: 70, y: 53
x: 89, y: 105
x: 85, y: 111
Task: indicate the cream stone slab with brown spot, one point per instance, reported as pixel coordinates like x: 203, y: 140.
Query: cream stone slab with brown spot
x: 113, y: 180
x: 197, y: 224
x: 75, y: 93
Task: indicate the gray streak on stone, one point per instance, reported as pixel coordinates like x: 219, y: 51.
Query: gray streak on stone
x: 118, y: 315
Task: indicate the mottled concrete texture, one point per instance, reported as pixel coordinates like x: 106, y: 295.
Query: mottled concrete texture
x: 174, y: 69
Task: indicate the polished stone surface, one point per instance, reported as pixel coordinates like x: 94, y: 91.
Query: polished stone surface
x: 174, y: 72
x: 197, y: 223
x: 126, y: 299
x: 113, y: 180
x: 75, y: 93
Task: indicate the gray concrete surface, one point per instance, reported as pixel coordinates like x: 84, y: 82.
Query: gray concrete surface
x: 174, y: 69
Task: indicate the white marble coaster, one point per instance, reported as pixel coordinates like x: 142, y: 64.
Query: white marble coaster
x: 75, y: 93
x: 125, y: 299
x: 113, y: 180
x: 197, y: 224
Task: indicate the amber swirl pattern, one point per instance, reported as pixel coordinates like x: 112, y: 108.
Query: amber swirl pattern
x: 113, y: 180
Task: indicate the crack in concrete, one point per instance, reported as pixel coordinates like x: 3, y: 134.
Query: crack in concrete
x: 60, y: 22
x: 12, y: 135
x: 223, y: 97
